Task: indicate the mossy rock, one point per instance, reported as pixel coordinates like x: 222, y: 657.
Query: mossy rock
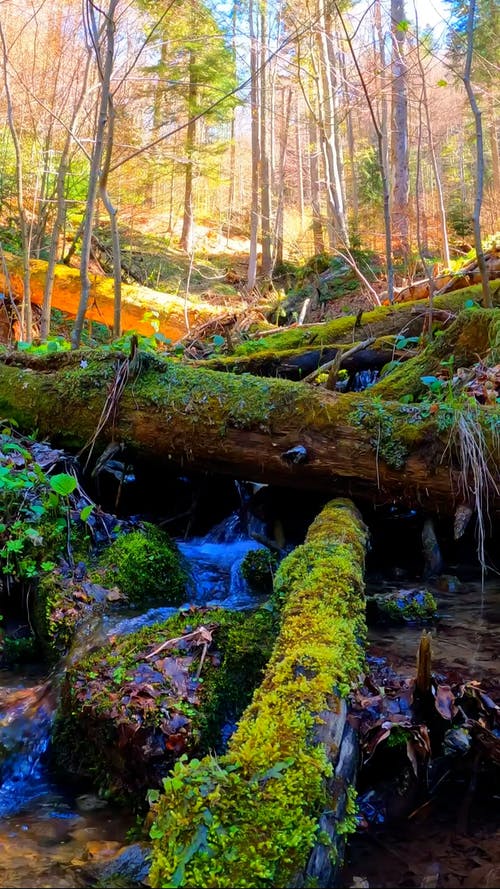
x: 146, y: 565
x: 258, y: 568
x: 406, y: 606
x: 125, y: 717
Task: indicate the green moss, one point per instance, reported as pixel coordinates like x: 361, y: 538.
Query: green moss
x: 250, y: 818
x: 146, y: 566
x: 376, y: 321
x: 53, y: 617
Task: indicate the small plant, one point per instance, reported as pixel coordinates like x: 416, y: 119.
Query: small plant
x: 258, y: 568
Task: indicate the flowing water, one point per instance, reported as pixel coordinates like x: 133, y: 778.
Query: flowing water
x: 49, y: 838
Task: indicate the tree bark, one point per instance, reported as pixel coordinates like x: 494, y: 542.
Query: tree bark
x: 399, y: 132
x: 105, y: 63
x: 254, y: 105
x: 273, y: 431
x: 476, y: 215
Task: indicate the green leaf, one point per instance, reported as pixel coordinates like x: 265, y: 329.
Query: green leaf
x: 403, y: 26
x: 442, y: 82
x: 86, y: 512
x: 63, y: 484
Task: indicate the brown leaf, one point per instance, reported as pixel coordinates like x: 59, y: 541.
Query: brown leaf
x: 444, y: 702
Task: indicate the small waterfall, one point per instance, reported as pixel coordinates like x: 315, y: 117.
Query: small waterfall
x: 215, y: 560
x: 213, y: 563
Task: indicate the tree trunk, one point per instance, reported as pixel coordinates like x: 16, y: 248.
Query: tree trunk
x: 60, y: 212
x: 265, y: 180
x: 319, y: 242
x: 26, y: 319
x: 399, y: 132
x: 476, y: 215
x: 186, y: 239
x: 295, y: 733
x: 254, y: 104
x: 273, y: 431
x: 105, y: 65
x: 137, y: 300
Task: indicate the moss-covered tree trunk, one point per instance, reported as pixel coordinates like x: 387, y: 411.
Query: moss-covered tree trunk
x: 275, y: 809
x: 369, y: 444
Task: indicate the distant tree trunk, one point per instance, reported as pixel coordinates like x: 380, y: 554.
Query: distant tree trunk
x: 254, y: 103
x: 232, y: 149
x: 26, y: 319
x: 279, y: 223
x: 495, y: 159
x: 399, y: 132
x: 265, y: 184
x: 105, y: 65
x: 60, y: 212
x: 327, y: 127
x: 113, y: 221
x: 382, y: 81
x: 300, y: 171
x: 476, y: 216
x: 186, y: 239
x: 382, y: 166
x: 350, y: 146
x: 319, y: 242
x: 435, y: 167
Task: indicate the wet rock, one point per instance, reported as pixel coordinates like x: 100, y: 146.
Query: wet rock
x: 130, y: 863
x: 407, y: 605
x: 89, y: 802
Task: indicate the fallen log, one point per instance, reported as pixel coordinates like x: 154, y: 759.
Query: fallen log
x: 468, y: 275
x: 264, y: 430
x: 143, y: 310
x: 276, y: 808
x: 405, y: 318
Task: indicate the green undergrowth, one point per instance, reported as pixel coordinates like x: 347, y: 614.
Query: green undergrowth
x: 120, y: 713
x: 251, y: 817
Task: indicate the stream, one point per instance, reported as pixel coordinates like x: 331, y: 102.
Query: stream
x: 50, y: 838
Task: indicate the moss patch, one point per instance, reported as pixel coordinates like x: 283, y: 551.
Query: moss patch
x: 250, y: 818
x: 146, y: 566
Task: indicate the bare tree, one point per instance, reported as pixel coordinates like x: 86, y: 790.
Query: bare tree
x: 476, y: 216
x: 254, y: 105
x: 26, y: 315
x: 399, y: 131
x: 104, y: 50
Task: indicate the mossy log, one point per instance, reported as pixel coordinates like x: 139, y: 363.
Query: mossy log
x: 165, y: 311
x: 405, y: 318
x: 274, y: 431
x: 275, y: 809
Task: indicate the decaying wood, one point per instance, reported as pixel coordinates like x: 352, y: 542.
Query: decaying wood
x: 249, y: 427
x: 168, y: 315
x: 447, y: 283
